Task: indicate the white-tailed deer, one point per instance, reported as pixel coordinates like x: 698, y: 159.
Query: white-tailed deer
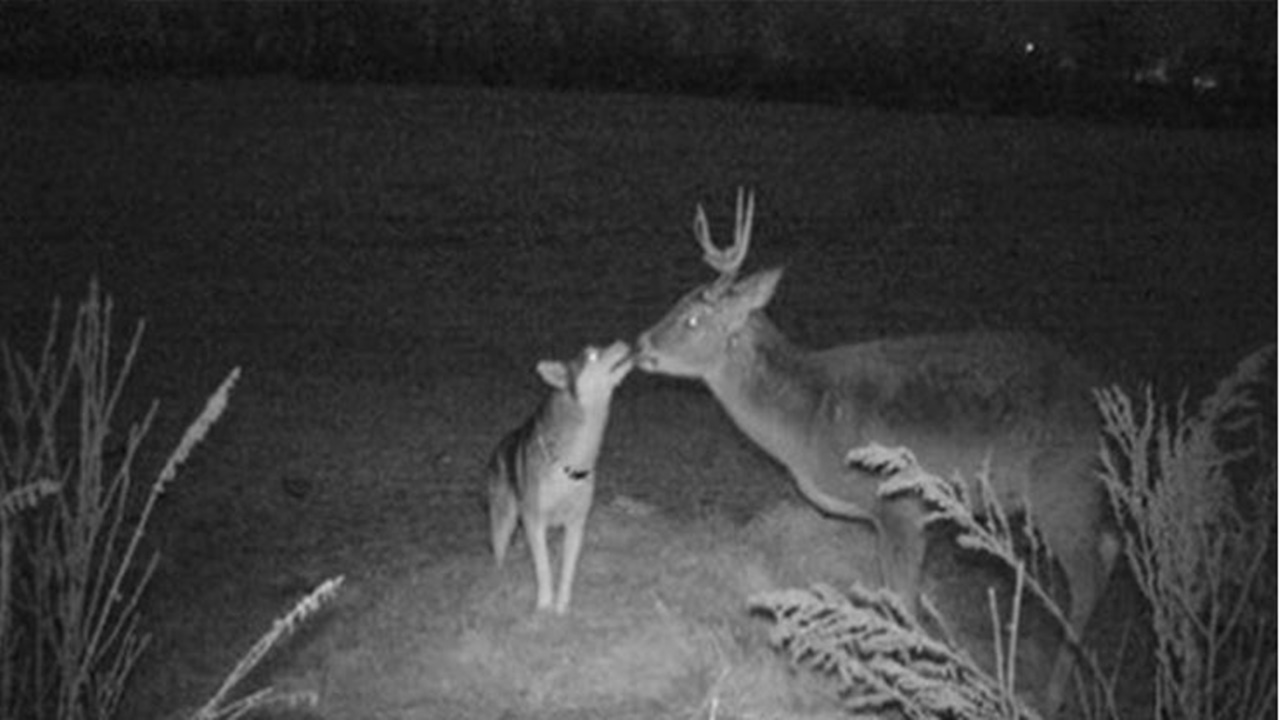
x: 542, y: 474
x: 956, y: 401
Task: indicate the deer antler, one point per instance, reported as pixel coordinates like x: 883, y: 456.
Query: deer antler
x: 728, y: 260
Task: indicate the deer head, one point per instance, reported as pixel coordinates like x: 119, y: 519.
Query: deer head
x: 691, y: 340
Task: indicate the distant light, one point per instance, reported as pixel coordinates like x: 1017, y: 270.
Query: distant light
x: 1028, y: 47
x: 1205, y: 82
x: 1156, y: 72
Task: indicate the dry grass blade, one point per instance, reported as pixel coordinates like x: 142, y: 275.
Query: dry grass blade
x: 26, y: 497
x: 993, y: 535
x: 1197, y: 547
x: 216, y: 709
x: 72, y: 583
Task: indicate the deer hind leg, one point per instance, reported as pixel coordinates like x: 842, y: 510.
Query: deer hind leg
x: 900, y: 532
x: 1075, y: 534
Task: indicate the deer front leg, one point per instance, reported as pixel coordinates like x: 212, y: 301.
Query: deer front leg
x: 900, y: 526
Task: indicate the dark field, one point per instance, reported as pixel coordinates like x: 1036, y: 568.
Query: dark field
x: 387, y: 264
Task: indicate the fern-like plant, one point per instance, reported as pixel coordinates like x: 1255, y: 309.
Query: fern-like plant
x: 879, y: 658
x: 945, y: 682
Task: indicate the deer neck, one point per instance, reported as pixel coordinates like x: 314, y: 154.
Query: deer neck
x: 770, y: 388
x: 782, y: 399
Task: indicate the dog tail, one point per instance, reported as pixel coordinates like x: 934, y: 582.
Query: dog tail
x: 504, y: 495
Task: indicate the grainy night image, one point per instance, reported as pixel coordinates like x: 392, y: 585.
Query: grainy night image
x: 513, y: 359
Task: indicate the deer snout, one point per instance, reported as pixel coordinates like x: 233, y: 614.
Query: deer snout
x: 643, y: 354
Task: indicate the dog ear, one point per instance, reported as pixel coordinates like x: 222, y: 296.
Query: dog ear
x: 554, y: 373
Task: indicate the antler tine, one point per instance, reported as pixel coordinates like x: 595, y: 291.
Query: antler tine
x: 742, y: 227
x: 728, y: 260
x: 702, y: 231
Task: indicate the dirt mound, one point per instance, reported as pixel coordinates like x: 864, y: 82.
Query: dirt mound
x: 659, y: 625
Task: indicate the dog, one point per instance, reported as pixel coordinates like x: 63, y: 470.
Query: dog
x: 542, y: 474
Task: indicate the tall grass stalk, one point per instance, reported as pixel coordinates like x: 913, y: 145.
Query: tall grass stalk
x: 72, y: 577
x: 1197, y: 494
x: 880, y: 654
x: 843, y: 653
x: 12, y: 503
x: 991, y: 533
x: 220, y: 708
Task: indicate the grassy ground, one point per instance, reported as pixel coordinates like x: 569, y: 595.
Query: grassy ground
x: 388, y: 263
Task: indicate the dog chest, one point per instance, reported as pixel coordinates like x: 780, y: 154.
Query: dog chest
x: 562, y: 495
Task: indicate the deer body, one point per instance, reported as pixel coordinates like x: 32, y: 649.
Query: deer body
x: 542, y: 474
x: 1013, y: 405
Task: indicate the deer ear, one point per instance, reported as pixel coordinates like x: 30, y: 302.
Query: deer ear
x: 554, y: 373
x: 756, y: 291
